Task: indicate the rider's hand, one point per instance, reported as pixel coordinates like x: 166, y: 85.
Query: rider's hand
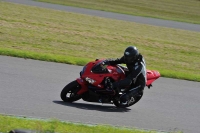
x: 106, y: 62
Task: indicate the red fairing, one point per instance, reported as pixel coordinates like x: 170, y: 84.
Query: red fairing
x: 114, y: 72
x: 94, y: 74
x: 83, y: 84
x: 152, y: 75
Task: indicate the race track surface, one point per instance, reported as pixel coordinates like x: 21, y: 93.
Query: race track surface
x: 32, y: 88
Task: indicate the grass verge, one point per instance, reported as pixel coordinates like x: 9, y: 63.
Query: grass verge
x: 44, y: 34
x: 8, y: 123
x: 184, y: 10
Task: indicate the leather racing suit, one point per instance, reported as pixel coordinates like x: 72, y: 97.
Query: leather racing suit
x: 135, y: 78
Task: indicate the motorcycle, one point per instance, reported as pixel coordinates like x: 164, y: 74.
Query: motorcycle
x: 94, y: 80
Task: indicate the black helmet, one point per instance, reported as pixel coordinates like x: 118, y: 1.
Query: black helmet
x: 130, y: 54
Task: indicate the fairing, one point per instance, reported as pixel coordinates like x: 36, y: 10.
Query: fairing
x: 152, y: 75
x: 94, y: 73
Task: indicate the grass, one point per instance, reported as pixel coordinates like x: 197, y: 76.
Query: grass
x: 178, y: 10
x: 8, y: 123
x: 51, y: 35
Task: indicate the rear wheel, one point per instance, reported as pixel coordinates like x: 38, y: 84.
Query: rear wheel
x: 69, y: 92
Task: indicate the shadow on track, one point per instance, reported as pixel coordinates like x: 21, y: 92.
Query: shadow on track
x: 103, y: 107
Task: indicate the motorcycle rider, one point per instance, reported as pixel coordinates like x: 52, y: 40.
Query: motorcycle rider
x: 135, y: 79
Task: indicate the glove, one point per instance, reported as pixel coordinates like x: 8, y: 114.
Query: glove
x: 105, y: 62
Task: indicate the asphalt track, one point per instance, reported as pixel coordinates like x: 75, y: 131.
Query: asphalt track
x: 32, y: 88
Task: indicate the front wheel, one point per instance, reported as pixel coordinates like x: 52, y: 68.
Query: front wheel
x: 69, y: 92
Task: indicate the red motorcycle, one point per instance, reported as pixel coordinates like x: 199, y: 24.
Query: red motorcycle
x: 93, y: 81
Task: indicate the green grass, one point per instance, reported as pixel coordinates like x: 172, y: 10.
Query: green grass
x: 8, y: 123
x: 178, y: 10
x: 44, y: 34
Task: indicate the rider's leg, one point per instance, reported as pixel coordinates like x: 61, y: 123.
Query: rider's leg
x: 129, y: 97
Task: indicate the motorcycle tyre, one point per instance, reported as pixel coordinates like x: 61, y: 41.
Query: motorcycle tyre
x: 74, y: 87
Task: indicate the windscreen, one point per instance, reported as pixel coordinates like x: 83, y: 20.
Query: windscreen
x: 99, y: 68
